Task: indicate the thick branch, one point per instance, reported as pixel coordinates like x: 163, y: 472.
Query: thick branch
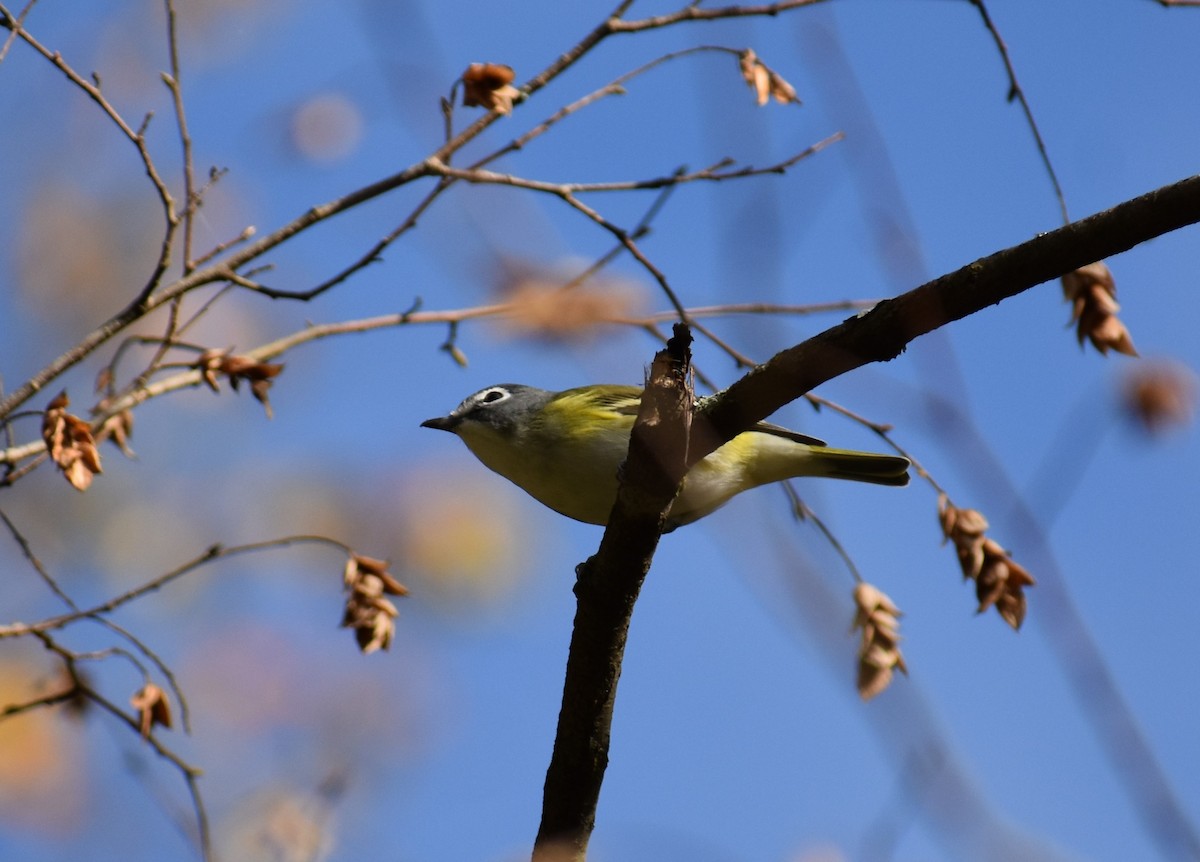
x: 607, y: 587
x: 883, y: 332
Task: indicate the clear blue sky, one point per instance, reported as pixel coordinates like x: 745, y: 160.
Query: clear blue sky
x: 738, y: 734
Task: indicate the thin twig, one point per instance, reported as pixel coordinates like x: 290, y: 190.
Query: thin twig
x: 631, y: 246
x: 695, y: 13
x: 120, y: 631
x: 1016, y: 92
x: 214, y: 552
x: 718, y: 172
x: 53, y: 699
x: 769, y: 308
x: 222, y: 247
x: 802, y: 512
x: 190, y: 774
x: 568, y: 193
x: 6, y: 20
x: 190, y: 197
x: 93, y: 92
x: 615, y: 87
x: 883, y: 431
x: 373, y: 255
x: 639, y: 230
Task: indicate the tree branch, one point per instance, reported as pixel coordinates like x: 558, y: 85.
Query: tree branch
x: 606, y: 590
x: 883, y: 332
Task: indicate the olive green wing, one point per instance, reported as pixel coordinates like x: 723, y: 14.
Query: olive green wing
x: 627, y: 399
x: 585, y: 409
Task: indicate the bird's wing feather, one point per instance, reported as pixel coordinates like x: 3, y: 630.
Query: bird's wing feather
x: 626, y: 400
x: 787, y: 434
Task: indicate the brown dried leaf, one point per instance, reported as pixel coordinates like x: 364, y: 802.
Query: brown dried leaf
x: 965, y: 528
x: 350, y: 572
x: 999, y: 581
x: 152, y: 707
x: 367, y: 564
x: 366, y: 611
x: 391, y: 586
x: 878, y: 654
x: 249, y: 369
x: 70, y: 444
x: 756, y: 75
x: 237, y: 368
x: 872, y: 680
x: 970, y: 522
x: 1092, y: 293
x: 989, y: 585
x: 764, y: 81
x: 489, y: 85
x: 1001, y: 584
x: 377, y: 636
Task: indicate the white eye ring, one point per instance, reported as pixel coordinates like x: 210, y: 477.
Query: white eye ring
x: 493, y: 396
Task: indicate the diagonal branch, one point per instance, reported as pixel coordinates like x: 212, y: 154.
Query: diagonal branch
x: 606, y: 589
x: 882, y: 333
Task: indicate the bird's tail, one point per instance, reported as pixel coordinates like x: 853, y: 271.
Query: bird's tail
x: 860, y: 466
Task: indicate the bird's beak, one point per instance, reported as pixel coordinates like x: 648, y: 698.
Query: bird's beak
x: 441, y: 423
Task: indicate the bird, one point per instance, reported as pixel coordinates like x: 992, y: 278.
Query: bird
x: 565, y: 449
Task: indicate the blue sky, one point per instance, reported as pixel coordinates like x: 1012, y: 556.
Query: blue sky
x: 738, y: 734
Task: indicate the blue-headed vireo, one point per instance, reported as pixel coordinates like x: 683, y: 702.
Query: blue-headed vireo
x: 565, y: 448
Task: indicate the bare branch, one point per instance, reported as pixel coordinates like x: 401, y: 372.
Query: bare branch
x: 882, y: 333
x: 151, y: 296
x: 51, y: 699
x: 93, y: 92
x: 693, y: 12
x: 1016, y: 92
x: 148, y: 299
x: 606, y: 590
x: 214, y: 552
x: 714, y: 173
x: 191, y: 200
x: 802, y: 512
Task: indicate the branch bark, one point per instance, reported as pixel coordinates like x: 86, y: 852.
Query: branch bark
x: 606, y: 589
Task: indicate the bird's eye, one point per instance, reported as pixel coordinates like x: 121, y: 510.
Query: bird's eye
x: 493, y: 395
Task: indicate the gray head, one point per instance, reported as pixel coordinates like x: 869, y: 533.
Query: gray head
x: 496, y: 407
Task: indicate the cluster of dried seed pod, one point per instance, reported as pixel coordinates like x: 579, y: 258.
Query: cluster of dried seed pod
x: 368, y: 610
x: 999, y: 581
